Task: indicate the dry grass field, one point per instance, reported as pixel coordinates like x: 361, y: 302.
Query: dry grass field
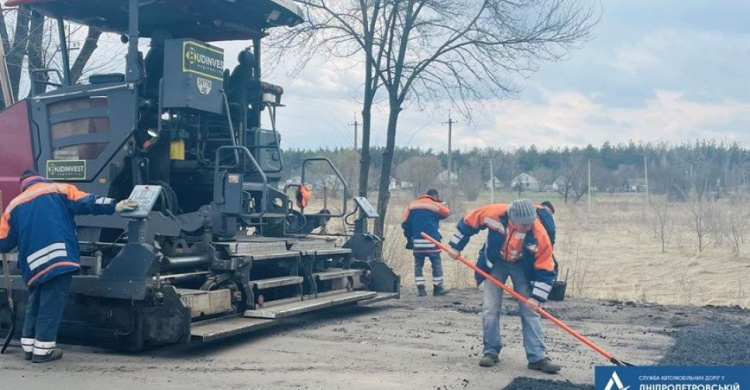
x: 615, y: 252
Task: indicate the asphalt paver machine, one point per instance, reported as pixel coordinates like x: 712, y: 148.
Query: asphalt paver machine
x: 217, y: 248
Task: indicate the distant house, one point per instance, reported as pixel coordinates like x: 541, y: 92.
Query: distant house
x: 498, y: 184
x: 526, y: 182
x: 295, y: 180
x: 443, y: 177
x: 638, y: 185
x: 558, y: 183
x: 394, y: 184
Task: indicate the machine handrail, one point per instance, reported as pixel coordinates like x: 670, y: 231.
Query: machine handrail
x: 217, y: 166
x: 338, y: 174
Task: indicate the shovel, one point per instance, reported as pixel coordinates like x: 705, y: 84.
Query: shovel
x: 8, y: 291
x: 539, y: 310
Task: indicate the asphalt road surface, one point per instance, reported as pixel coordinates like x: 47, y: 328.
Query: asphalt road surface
x: 411, y: 343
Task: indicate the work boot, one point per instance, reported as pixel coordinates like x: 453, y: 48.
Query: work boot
x: 438, y: 290
x: 27, y: 344
x: 489, y: 360
x: 53, y: 355
x: 545, y: 365
x: 422, y: 292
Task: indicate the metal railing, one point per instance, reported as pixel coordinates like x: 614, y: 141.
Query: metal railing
x: 338, y: 174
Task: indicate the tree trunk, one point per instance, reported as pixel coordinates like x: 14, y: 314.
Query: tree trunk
x: 385, y: 172
x: 371, y: 86
x: 17, y: 51
x: 92, y: 42
x: 36, y: 60
x: 5, y: 40
x: 364, y: 162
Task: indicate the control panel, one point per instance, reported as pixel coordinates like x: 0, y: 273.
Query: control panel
x: 145, y: 196
x: 366, y: 207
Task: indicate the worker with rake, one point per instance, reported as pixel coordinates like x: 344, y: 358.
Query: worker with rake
x: 518, y: 247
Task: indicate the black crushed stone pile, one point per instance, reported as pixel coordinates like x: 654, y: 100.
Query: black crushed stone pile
x: 710, y: 344
x: 522, y: 383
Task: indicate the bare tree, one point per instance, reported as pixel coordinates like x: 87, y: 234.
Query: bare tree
x: 35, y: 45
x: 87, y: 51
x: 700, y: 212
x: 471, y: 183
x: 734, y: 226
x: 431, y: 50
x: 340, y: 28
x: 660, y: 207
x: 35, y: 52
x: 573, y: 183
x: 421, y: 172
x: 17, y: 48
x: 459, y: 51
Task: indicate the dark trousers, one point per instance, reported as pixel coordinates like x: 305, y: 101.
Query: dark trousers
x: 437, y: 268
x: 44, y: 310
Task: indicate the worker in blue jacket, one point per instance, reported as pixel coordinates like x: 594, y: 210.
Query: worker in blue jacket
x: 517, y: 246
x: 424, y: 215
x: 40, y: 223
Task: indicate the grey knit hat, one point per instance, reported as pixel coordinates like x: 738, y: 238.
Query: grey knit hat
x: 522, y: 212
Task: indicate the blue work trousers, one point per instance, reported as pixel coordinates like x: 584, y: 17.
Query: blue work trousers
x: 437, y: 268
x: 45, y: 307
x: 531, y: 322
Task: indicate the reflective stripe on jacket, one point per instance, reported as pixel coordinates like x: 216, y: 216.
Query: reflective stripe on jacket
x: 505, y: 243
x: 40, y: 222
x: 424, y: 215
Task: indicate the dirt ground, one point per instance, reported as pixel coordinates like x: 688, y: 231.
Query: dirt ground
x: 411, y: 343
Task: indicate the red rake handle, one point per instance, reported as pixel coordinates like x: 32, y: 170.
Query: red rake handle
x: 523, y: 300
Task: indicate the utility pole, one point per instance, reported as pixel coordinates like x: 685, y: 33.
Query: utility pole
x: 356, y: 126
x: 589, y: 187
x: 692, y: 182
x: 645, y: 173
x: 492, y: 183
x: 450, y: 157
x: 4, y: 79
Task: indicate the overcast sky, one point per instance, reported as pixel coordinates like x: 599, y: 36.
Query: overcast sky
x: 674, y: 70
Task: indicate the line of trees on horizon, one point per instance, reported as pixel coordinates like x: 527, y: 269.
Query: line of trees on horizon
x: 700, y: 169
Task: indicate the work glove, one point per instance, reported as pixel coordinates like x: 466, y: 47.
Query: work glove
x: 533, y: 304
x: 126, y: 205
x: 409, y: 244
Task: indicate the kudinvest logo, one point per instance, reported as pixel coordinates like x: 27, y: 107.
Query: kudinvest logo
x: 191, y: 55
x: 66, y: 169
x: 615, y: 383
x: 203, y: 60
